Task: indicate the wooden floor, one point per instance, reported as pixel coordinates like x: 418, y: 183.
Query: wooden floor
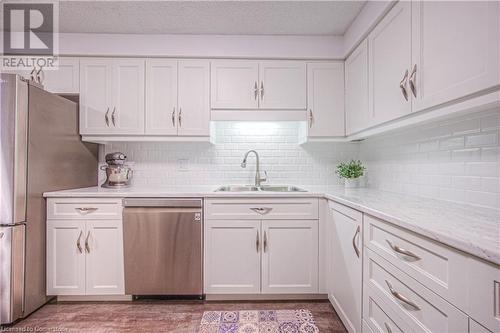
x: 156, y: 316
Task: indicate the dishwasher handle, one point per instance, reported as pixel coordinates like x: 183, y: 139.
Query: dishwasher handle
x: 163, y: 202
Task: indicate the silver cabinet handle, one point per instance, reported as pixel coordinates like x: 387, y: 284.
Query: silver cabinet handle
x: 113, y: 116
x: 261, y: 210
x: 261, y: 89
x: 32, y: 74
x: 255, y: 91
x: 354, y: 245
x: 402, y: 251
x: 412, y: 80
x: 106, y: 118
x: 402, y: 85
x: 311, y: 118
x: 87, y: 247
x: 257, y: 242
x: 39, y: 75
x: 180, y: 117
x: 387, y: 327
x: 400, y: 297
x: 173, y: 116
x: 265, y: 241
x: 85, y: 210
x: 78, y: 245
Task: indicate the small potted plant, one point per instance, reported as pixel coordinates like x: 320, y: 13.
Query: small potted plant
x: 350, y: 172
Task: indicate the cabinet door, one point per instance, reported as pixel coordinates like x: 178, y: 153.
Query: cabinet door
x: 282, y: 85
x: 127, y: 115
x: 194, y: 98
x: 232, y: 257
x: 455, y: 49
x: 325, y: 99
x: 64, y: 80
x: 234, y: 84
x: 65, y: 257
x: 104, y: 259
x: 346, y: 266
x: 357, y: 113
x: 389, y: 60
x: 290, y: 256
x: 161, y: 97
x: 96, y: 96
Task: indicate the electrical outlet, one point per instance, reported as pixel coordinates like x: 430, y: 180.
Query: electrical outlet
x: 183, y: 164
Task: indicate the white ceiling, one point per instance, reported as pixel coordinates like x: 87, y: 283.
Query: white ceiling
x: 208, y: 17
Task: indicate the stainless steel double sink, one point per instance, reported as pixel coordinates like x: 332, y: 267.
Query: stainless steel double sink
x: 265, y: 188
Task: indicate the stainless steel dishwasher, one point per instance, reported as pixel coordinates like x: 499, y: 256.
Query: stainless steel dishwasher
x: 163, y: 246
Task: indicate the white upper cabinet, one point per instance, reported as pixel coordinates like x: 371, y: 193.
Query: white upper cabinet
x: 325, y: 99
x: 161, y: 97
x: 111, y: 96
x: 455, y: 49
x: 389, y: 63
x: 286, y: 267
x: 270, y: 85
x: 234, y: 84
x: 194, y: 98
x: 64, y: 80
x: 96, y: 100
x: 127, y: 115
x: 357, y: 112
x: 178, y: 100
x: 282, y: 85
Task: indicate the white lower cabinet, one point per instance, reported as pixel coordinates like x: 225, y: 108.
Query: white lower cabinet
x: 346, y: 264
x: 84, y: 253
x: 65, y: 257
x: 273, y: 254
x: 417, y: 306
x: 286, y: 267
x: 104, y: 258
x: 232, y: 256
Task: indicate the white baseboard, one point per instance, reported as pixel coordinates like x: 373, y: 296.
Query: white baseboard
x: 93, y: 298
x: 264, y: 297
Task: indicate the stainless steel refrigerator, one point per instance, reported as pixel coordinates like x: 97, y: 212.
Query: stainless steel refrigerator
x: 40, y: 151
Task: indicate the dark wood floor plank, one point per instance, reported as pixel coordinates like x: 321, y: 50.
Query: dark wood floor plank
x: 157, y: 316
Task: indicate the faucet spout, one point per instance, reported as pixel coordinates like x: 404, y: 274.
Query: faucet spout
x: 258, y: 178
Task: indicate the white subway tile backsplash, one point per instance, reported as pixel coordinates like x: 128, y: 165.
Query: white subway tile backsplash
x: 457, y: 159
x: 156, y: 164
x: 484, y: 139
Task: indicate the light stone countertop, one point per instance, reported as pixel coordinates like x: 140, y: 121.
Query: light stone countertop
x: 472, y: 229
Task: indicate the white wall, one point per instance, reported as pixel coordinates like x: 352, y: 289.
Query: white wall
x: 209, y: 46
x: 456, y: 160
x: 157, y: 164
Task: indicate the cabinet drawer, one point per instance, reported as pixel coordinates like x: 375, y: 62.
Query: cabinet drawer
x: 417, y: 306
x: 262, y: 209
x: 379, y: 316
x: 436, y: 266
x: 84, y: 208
x: 484, y: 304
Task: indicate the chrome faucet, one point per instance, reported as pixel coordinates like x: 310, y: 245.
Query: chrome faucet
x: 258, y: 178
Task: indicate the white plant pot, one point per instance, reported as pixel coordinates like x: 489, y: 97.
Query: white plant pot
x: 351, y: 182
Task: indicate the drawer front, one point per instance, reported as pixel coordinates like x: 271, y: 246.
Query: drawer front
x: 485, y: 294
x: 474, y: 327
x: 437, y: 267
x: 417, y: 306
x: 262, y: 209
x: 84, y: 208
x: 379, y: 316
